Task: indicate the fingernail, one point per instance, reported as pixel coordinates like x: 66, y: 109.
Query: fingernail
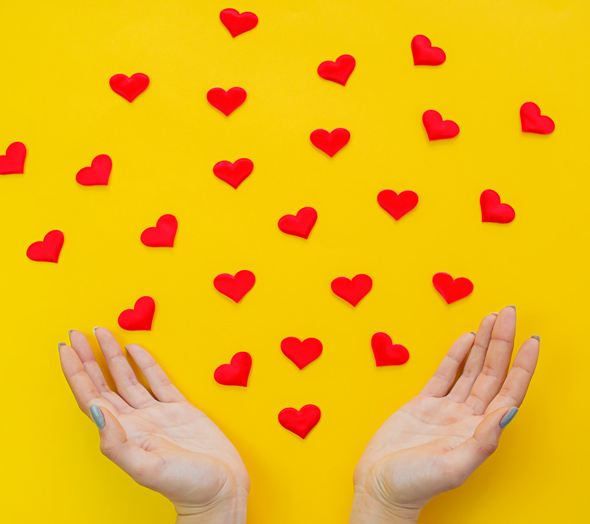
x: 513, y: 307
x: 537, y: 337
x: 61, y: 344
x: 97, y: 417
x: 495, y: 313
x: 94, y: 329
x: 474, y: 332
x: 506, y: 419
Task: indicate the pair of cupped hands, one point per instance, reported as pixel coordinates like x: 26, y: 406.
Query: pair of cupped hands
x: 430, y: 445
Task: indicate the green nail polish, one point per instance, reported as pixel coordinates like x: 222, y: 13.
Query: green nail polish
x: 537, y: 337
x: 97, y: 417
x: 506, y: 419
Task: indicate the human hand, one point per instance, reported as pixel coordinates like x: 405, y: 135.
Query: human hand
x: 162, y: 441
x: 438, y: 439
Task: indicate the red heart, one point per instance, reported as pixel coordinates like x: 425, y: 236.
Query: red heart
x: 234, y: 174
x: 236, y: 373
x: 338, y: 71
x: 330, y: 142
x: 533, y: 122
x: 397, y: 205
x: 237, y: 23
x: 386, y: 353
x: 301, y: 353
x: 129, y: 87
x: 352, y: 290
x: 140, y: 317
x: 425, y: 54
x: 97, y: 174
x: 13, y: 162
x: 300, y: 422
x: 235, y: 287
x: 48, y: 249
x: 492, y: 210
x: 452, y: 290
x: 437, y: 128
x: 300, y: 225
x: 163, y: 234
x: 226, y: 101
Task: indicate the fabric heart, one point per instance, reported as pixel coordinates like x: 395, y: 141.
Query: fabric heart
x: 236, y: 22
x: 386, y: 352
x: 98, y: 173
x: 226, y: 101
x: 437, y: 128
x: 235, y: 287
x: 330, y: 142
x: 129, y: 87
x: 301, y: 353
x: 163, y: 234
x: 494, y: 211
x: 452, y: 289
x: 48, y: 249
x: 234, y: 174
x: 397, y: 205
x: 302, y: 421
x: 299, y: 225
x: 425, y: 54
x: 352, y: 290
x: 533, y: 122
x: 140, y: 317
x: 13, y: 162
x: 338, y: 71
x: 237, y: 372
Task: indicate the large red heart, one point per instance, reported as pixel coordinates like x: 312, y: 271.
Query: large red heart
x: 129, y: 87
x: 13, y: 162
x: 234, y: 174
x: 352, y: 290
x: 235, y: 287
x: 301, y: 353
x: 425, y: 54
x: 163, y: 234
x: 48, y: 249
x: 237, y: 23
x: 226, y: 101
x: 494, y: 211
x: 386, y: 352
x: 302, y: 421
x: 330, y: 142
x: 452, y: 289
x: 338, y: 71
x: 533, y: 122
x: 437, y: 128
x: 299, y: 225
x: 237, y: 372
x: 140, y: 317
x: 397, y: 205
x: 98, y: 173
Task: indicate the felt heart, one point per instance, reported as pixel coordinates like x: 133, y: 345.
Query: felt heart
x: 338, y: 71
x: 452, y: 289
x: 13, y: 162
x: 163, y: 234
x: 302, y: 421
x: 226, y: 101
x: 533, y: 122
x: 140, y: 317
x: 330, y: 142
x: 299, y: 225
x: 386, y: 352
x: 48, y: 249
x: 234, y: 174
x: 352, y: 290
x: 235, y: 287
x: 97, y: 174
x: 425, y: 54
x: 237, y: 372
x: 494, y: 211
x: 397, y: 205
x: 236, y: 22
x: 301, y: 353
x: 129, y: 87
x: 437, y: 128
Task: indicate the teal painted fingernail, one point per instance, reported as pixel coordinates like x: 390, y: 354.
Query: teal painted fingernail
x: 513, y: 307
x: 474, y: 332
x: 61, y: 344
x: 537, y: 337
x: 96, y: 415
x: 506, y: 419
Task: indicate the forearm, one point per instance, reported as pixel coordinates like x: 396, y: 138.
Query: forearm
x: 366, y: 510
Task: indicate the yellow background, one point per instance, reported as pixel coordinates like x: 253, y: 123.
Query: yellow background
x: 57, y: 58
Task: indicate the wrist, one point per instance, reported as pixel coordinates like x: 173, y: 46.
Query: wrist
x: 228, y: 511
x: 368, y: 510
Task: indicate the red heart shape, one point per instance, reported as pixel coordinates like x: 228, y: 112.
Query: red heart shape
x: 48, y: 249
x: 437, y: 128
x: 235, y: 287
x: 234, y: 174
x: 386, y: 352
x: 494, y: 211
x: 226, y: 101
x: 140, y: 317
x: 299, y: 225
x: 397, y: 205
x: 237, y: 23
x: 301, y: 353
x: 338, y: 71
x: 452, y: 289
x: 352, y: 290
x: 533, y: 122
x: 237, y: 372
x: 129, y: 87
x: 97, y: 174
x: 13, y: 162
x: 330, y: 142
x: 425, y: 54
x: 302, y: 421
x: 163, y: 234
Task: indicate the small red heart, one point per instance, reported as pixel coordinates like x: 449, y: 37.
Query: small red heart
x: 330, y: 142
x: 301, y: 353
x: 425, y: 54
x: 237, y: 372
x: 140, y: 317
x: 338, y: 71
x: 397, y: 205
x: 437, y: 128
x: 299, y: 225
x: 494, y: 211
x: 98, y: 173
x: 129, y: 87
x: 352, y: 290
x: 13, y: 162
x: 452, y: 289
x: 235, y: 287
x: 533, y: 122
x: 386, y: 352
x: 237, y: 23
x: 163, y: 234
x: 234, y: 174
x: 226, y: 101
x: 302, y: 421
x: 48, y: 249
